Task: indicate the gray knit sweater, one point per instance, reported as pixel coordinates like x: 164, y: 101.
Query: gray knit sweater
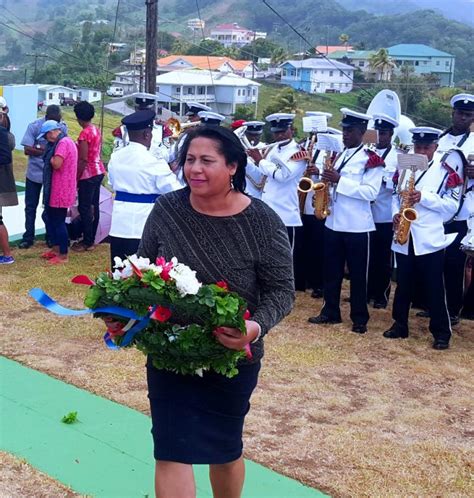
x: 250, y: 251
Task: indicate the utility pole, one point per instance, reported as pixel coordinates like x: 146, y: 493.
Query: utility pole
x: 151, y: 45
x: 36, y: 56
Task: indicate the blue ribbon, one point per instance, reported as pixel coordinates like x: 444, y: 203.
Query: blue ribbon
x: 142, y: 321
x: 140, y: 198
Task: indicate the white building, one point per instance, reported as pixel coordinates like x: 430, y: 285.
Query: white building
x: 196, y: 24
x: 53, y: 94
x: 128, y: 80
x: 221, y: 91
x: 232, y: 35
x: 317, y: 76
x: 89, y: 95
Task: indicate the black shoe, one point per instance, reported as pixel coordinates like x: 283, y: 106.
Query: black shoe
x: 454, y: 320
x: 440, y: 344
x: 323, y: 320
x: 359, y: 329
x: 24, y: 244
x: 49, y: 243
x: 423, y: 314
x: 380, y: 305
x: 317, y: 294
x: 396, y: 331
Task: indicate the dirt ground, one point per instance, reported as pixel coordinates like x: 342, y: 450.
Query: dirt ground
x: 348, y: 414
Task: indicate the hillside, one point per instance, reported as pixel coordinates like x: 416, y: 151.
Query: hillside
x: 319, y: 22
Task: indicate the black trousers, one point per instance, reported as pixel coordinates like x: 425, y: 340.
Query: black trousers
x: 122, y: 248
x: 380, y: 263
x: 88, y: 207
x: 295, y: 234
x: 32, y: 198
x: 454, y: 266
x: 313, y: 251
x: 340, y: 247
x: 431, y: 267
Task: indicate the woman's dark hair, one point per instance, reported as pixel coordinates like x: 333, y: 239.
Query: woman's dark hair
x: 84, y: 111
x: 227, y: 144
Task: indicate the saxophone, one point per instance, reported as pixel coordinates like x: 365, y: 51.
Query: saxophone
x: 407, y: 214
x: 305, y: 184
x: 322, y: 197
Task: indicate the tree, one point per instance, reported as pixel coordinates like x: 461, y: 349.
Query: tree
x: 279, y: 55
x: 259, y: 48
x: 246, y: 112
x: 180, y: 47
x: 206, y: 47
x: 382, y: 64
x: 344, y: 39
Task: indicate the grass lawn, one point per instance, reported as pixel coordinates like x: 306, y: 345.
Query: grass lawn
x: 348, y: 414
x: 327, y: 102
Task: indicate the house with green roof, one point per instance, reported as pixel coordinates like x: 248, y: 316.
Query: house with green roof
x: 356, y: 58
x: 425, y: 60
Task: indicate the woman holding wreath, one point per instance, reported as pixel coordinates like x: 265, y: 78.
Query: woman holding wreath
x: 216, y: 229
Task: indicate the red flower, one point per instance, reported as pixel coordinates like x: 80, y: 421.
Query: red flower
x: 161, y: 314
x: 82, y: 280
x: 223, y: 285
x: 166, y: 268
x: 454, y: 180
x: 247, y: 315
x: 374, y: 160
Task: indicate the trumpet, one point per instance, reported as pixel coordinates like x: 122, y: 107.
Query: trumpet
x: 263, y: 148
x: 178, y: 128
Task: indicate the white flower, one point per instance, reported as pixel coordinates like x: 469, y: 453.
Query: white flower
x: 185, y: 278
x: 199, y: 372
x: 127, y: 272
x: 117, y: 274
x: 139, y: 262
x: 118, y: 263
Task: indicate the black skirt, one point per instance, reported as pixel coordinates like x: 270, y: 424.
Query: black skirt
x: 199, y: 420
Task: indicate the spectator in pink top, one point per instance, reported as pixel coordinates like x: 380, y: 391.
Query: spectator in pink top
x: 60, y: 187
x: 90, y: 173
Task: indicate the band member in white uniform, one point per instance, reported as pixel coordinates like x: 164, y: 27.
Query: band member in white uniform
x: 253, y: 174
x: 458, y: 136
x: 380, y: 261
x: 137, y: 178
x: 313, y: 228
x: 356, y: 179
x: 280, y: 190
x: 436, y: 199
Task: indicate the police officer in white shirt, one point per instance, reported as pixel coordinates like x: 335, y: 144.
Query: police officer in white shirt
x: 458, y: 136
x: 436, y: 200
x: 138, y: 179
x: 253, y: 174
x: 356, y: 179
x: 281, y: 187
x: 380, y: 261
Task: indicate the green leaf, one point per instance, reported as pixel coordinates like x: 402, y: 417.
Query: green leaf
x: 70, y: 418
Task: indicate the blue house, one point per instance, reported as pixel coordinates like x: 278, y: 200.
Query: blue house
x: 317, y: 75
x: 425, y: 60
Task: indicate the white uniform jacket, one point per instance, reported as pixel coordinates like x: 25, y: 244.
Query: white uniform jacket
x: 466, y: 144
x: 382, y: 207
x: 438, y: 205
x: 356, y: 189
x: 134, y: 170
x: 254, y: 179
x: 281, y: 188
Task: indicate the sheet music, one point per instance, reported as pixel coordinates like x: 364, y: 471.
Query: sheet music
x: 315, y: 124
x: 326, y: 141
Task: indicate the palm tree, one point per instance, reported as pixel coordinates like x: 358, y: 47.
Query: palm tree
x: 279, y: 55
x: 344, y: 39
x: 287, y: 101
x: 382, y: 64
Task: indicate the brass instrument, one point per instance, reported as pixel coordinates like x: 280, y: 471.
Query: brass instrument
x: 305, y: 184
x: 322, y: 197
x: 178, y: 128
x: 407, y: 213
